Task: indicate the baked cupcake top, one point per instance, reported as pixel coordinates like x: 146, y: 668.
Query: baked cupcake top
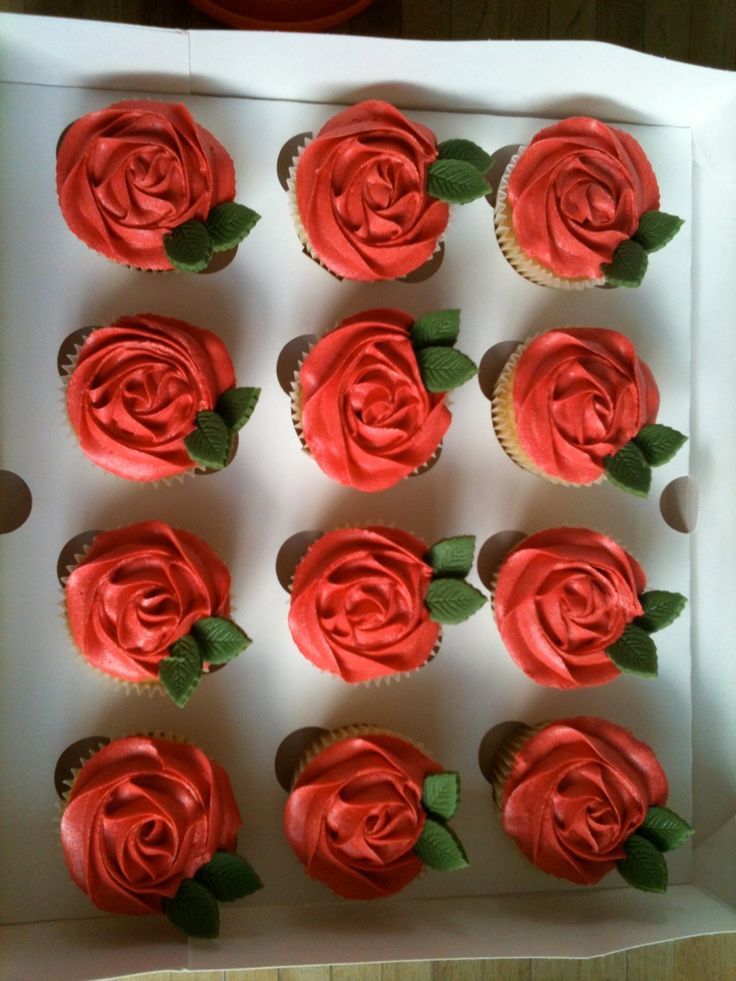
x: 145, y: 185
x: 370, y: 401
x: 150, y: 825
x: 151, y: 397
x: 584, y: 203
x: 584, y: 796
x: 366, y: 812
x: 150, y: 604
x: 371, y: 191
x: 575, y: 404
x: 368, y: 602
x: 571, y: 609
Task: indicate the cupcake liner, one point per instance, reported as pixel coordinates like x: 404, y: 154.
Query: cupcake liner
x: 505, y: 757
x: 527, y: 267
x: 504, y: 420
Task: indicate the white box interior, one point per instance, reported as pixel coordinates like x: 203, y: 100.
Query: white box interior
x: 271, y: 293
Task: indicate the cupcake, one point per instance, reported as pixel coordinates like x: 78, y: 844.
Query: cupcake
x: 367, y: 603
x: 370, y: 193
x: 151, y: 398
x: 579, y: 207
x: 145, y: 185
x: 571, y: 607
x: 150, y: 825
x: 368, y: 810
x: 369, y: 399
x: 583, y: 796
x: 576, y: 404
x: 149, y: 605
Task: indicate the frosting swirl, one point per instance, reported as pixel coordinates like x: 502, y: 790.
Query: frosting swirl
x: 128, y: 174
x: 576, y: 792
x: 578, y: 190
x: 143, y: 814
x: 361, y: 193
x: 366, y: 417
x: 357, y: 604
x: 136, y: 389
x: 355, y: 814
x: 579, y: 395
x: 563, y: 596
x: 137, y: 591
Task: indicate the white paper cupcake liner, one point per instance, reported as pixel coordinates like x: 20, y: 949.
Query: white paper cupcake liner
x: 527, y: 267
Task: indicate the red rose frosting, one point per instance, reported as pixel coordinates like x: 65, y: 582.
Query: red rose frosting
x: 365, y: 414
x: 144, y: 814
x: 357, y: 604
x: 128, y: 174
x: 579, y: 395
x: 136, y: 389
x: 361, y: 193
x: 137, y: 591
x: 355, y: 814
x: 562, y: 597
x: 576, y: 792
x: 578, y: 190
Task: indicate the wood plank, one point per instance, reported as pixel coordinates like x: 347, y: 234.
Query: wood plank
x: 610, y: 968
x: 467, y: 18
x: 357, y: 972
x: 381, y: 19
x: 483, y: 970
x: 320, y: 973
x: 620, y: 22
x: 708, y: 958
x: 408, y: 971
x: 526, y: 20
x: 652, y: 963
x: 255, y: 974
x: 713, y: 34
x: 572, y: 19
x: 667, y: 28
x: 426, y: 21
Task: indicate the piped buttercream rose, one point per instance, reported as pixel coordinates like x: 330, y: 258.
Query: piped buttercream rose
x: 578, y: 789
x: 355, y: 814
x: 563, y: 596
x: 365, y: 413
x: 358, y: 603
x: 361, y: 193
x: 580, y: 394
x: 137, y: 388
x: 144, y: 814
x: 138, y: 591
x: 128, y: 174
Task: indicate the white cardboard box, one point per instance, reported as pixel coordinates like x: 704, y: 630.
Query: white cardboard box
x: 44, y: 938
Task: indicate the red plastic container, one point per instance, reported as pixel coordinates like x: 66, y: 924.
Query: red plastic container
x: 282, y: 15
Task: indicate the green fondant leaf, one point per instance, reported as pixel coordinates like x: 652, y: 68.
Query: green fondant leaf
x: 453, y: 600
x: 189, y: 247
x: 628, y: 266
x: 441, y: 794
x: 644, y: 866
x: 634, y: 652
x: 219, y: 639
x: 456, y: 181
x: 656, y: 229
x: 440, y: 848
x: 440, y: 327
x: 444, y: 368
x: 193, y: 910
x: 228, y: 877
x: 209, y: 443
x: 228, y: 224
x: 465, y: 150
x: 660, y: 609
x: 659, y: 443
x: 181, y: 671
x: 452, y: 556
x: 629, y: 470
x: 236, y: 406
x: 665, y: 829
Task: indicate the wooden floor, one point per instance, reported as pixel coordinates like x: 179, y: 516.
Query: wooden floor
x: 699, y: 31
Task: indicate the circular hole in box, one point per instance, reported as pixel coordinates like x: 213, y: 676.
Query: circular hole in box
x: 490, y: 744
x: 16, y: 501
x: 285, y: 159
x: 678, y: 504
x: 428, y: 269
x: 492, y: 364
x: 73, y: 758
x: 289, y: 358
x: 231, y: 457
x: 69, y: 348
x: 431, y: 462
x: 492, y: 553
x: 71, y: 553
x: 499, y: 162
x: 291, y: 553
x: 290, y: 751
